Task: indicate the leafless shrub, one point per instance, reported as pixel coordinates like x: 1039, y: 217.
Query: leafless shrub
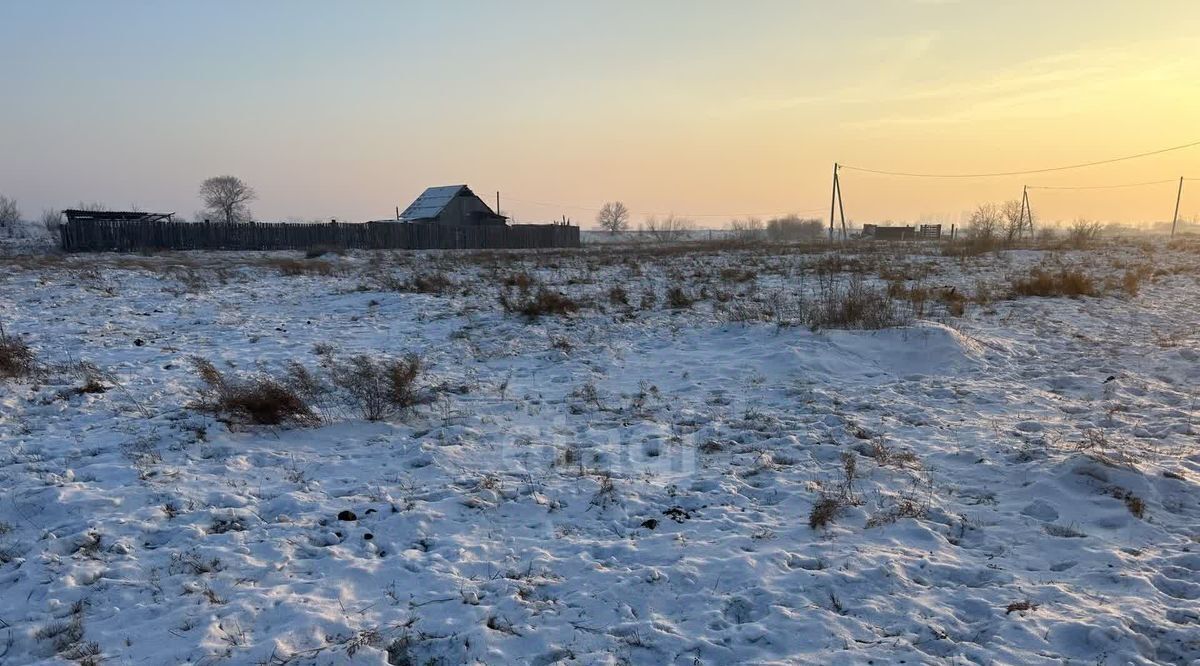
x: 379, y: 388
x: 1082, y: 232
x: 618, y: 296
x: 258, y: 400
x: 833, y: 500
x: 17, y: 360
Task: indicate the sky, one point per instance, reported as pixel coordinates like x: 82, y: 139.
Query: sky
x: 704, y: 109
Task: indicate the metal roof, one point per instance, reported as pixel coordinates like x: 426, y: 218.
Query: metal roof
x: 431, y: 202
x: 116, y: 215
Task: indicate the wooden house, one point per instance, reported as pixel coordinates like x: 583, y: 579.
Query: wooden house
x: 454, y: 205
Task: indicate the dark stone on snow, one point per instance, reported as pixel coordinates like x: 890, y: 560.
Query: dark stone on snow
x: 650, y: 523
x: 347, y: 515
x: 678, y: 514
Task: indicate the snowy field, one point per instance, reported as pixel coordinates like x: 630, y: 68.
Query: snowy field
x: 714, y: 463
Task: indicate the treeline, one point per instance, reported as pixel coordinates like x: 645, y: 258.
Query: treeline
x: 786, y: 228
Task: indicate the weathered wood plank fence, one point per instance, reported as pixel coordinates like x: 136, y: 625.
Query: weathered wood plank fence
x: 139, y: 236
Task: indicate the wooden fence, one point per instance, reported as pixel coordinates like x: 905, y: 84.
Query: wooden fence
x: 138, y: 236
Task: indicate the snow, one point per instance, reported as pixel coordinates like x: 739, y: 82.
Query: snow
x: 618, y: 485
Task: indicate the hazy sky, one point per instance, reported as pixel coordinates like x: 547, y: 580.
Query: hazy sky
x: 708, y: 109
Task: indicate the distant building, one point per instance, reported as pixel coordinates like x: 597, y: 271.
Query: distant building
x: 876, y: 232
x: 453, y: 205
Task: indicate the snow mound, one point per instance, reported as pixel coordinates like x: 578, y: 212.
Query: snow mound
x: 924, y: 349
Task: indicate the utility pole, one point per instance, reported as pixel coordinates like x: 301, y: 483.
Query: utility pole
x: 1026, y: 211
x: 834, y: 195
x: 837, y: 182
x: 1178, y: 197
x: 497, y: 202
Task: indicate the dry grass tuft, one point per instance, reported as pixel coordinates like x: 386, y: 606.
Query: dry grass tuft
x: 1070, y: 282
x: 379, y: 388
x: 824, y: 511
x: 522, y: 280
x: 544, y: 302
x: 294, y: 267
x: 852, y: 304
x: 258, y: 400
x: 430, y: 283
x: 679, y: 299
x: 17, y: 360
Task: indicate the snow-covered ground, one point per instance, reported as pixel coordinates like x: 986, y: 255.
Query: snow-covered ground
x: 628, y: 483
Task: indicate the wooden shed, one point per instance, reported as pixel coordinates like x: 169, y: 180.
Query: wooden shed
x: 73, y: 215
x: 454, y: 205
x: 877, y: 232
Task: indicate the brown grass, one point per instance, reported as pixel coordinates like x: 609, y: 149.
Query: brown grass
x: 679, y: 299
x: 852, y: 304
x: 379, y: 388
x: 1069, y: 282
x: 544, y: 302
x: 258, y: 400
x: 430, y: 283
x: 17, y: 360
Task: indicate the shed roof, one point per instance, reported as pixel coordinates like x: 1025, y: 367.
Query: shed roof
x: 116, y: 215
x: 431, y: 202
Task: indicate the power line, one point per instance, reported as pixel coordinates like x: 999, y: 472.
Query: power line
x: 1102, y: 187
x: 727, y: 215
x: 1019, y: 173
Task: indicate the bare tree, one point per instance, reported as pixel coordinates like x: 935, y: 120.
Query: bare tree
x: 1082, y: 232
x: 52, y: 220
x: 667, y: 229
x: 613, y: 217
x: 748, y: 229
x: 795, y: 228
x: 985, y: 222
x: 1015, y: 219
x: 10, y: 217
x: 227, y: 197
